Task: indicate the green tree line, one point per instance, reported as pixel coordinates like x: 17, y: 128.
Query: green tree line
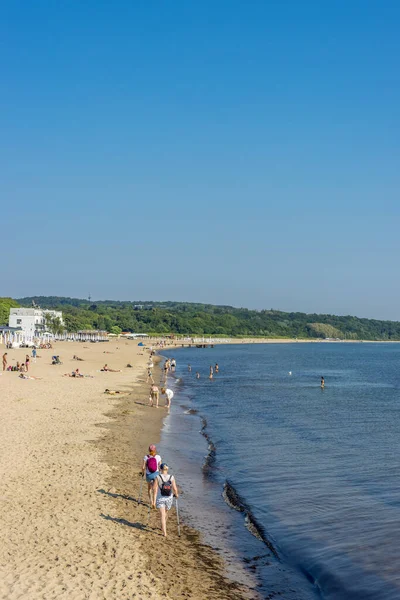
x: 204, y: 319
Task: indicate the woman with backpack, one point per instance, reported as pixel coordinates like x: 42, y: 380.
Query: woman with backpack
x: 166, y: 491
x: 151, y: 464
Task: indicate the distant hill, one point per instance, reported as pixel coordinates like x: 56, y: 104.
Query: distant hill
x: 208, y: 319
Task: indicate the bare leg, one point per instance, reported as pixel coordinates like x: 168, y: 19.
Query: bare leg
x: 154, y: 490
x: 163, y: 521
x: 149, y: 489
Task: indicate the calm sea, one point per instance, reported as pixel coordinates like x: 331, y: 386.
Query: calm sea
x: 297, y: 487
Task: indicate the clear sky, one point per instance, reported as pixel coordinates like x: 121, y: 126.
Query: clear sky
x: 241, y: 152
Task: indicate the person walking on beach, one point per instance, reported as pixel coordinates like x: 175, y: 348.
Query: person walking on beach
x: 4, y: 361
x: 34, y: 352
x: 166, y: 490
x: 149, y: 376
x: 169, y: 394
x: 165, y: 370
x: 27, y: 361
x: 154, y: 395
x: 150, y: 468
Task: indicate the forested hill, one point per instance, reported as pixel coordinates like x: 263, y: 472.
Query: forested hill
x: 198, y: 319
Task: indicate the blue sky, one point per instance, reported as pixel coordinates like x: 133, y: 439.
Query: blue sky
x: 231, y: 152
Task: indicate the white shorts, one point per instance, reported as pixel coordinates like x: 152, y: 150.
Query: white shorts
x: 165, y: 501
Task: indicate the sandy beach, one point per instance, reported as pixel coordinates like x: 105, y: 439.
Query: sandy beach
x: 71, y: 524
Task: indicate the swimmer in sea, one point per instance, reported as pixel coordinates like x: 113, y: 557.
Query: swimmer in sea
x: 189, y: 368
x: 216, y: 368
x: 197, y: 375
x: 322, y: 383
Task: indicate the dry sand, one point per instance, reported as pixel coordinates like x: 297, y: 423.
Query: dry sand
x: 71, y: 524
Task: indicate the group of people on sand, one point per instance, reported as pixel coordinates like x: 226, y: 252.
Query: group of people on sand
x: 20, y: 367
x: 161, y: 486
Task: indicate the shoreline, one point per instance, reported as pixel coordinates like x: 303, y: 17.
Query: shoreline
x: 202, y: 573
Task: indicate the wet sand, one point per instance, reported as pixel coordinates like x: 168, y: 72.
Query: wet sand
x: 71, y: 523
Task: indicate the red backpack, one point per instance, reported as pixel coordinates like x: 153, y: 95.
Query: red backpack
x: 151, y: 464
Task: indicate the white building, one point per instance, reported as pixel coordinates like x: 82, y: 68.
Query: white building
x: 31, y: 320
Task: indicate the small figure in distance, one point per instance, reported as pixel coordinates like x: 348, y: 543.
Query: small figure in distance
x: 107, y: 368
x: 322, y: 383
x: 73, y: 374
x: 211, y: 373
x: 197, y: 375
x: 4, y: 361
x: 166, y: 490
x: 149, y: 376
x: 189, y: 368
x: 173, y: 365
x: 216, y: 368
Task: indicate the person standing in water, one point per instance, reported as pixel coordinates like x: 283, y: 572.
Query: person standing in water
x: 322, y: 383
x: 189, y: 368
x: 211, y: 373
x: 216, y: 368
x: 197, y: 375
x: 166, y: 490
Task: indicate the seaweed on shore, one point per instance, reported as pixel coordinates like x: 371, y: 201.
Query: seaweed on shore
x: 234, y: 500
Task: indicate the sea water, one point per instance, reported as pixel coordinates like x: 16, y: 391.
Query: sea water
x: 297, y: 487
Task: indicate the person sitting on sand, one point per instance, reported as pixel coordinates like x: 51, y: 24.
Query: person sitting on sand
x: 75, y: 373
x: 75, y: 357
x: 107, y: 368
x: 112, y: 392
x: 166, y: 490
